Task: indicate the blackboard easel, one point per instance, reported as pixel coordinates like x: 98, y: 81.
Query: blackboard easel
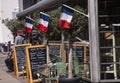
x: 55, y: 49
x: 36, y: 57
x: 20, y: 58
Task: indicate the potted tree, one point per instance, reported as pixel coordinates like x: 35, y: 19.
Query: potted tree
x: 78, y: 24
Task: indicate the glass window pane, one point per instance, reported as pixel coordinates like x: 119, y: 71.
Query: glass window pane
x: 109, y: 37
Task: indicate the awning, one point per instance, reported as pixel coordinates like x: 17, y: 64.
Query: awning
x: 42, y: 5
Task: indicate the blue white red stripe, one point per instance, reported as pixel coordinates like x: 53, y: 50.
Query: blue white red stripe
x: 28, y: 24
x: 43, y: 22
x: 66, y: 17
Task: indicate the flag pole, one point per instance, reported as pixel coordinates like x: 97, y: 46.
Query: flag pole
x: 62, y: 36
x: 31, y: 19
x: 76, y: 10
x: 35, y: 20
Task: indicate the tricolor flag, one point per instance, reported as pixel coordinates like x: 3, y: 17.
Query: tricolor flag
x: 66, y: 17
x: 28, y: 25
x: 43, y: 22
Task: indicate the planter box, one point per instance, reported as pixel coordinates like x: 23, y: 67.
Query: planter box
x: 70, y: 80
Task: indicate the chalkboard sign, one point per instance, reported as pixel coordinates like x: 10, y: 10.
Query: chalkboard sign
x: 36, y: 57
x: 20, y: 58
x: 55, y: 49
x: 79, y: 50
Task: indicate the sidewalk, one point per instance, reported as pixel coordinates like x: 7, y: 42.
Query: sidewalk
x: 8, y: 77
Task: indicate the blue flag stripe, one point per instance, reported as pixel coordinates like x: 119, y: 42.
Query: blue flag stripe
x: 28, y: 20
x: 44, y: 17
x: 67, y: 10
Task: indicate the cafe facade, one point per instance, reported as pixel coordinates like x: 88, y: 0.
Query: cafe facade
x: 104, y: 37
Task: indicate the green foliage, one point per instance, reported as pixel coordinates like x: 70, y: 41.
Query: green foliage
x: 81, y: 3
x: 54, y: 30
x: 14, y: 24
x: 79, y: 23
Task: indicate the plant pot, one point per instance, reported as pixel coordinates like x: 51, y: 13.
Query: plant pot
x: 70, y: 80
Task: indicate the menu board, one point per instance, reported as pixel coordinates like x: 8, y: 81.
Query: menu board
x: 55, y: 49
x: 20, y: 57
x: 79, y: 50
x: 20, y: 53
x: 36, y: 56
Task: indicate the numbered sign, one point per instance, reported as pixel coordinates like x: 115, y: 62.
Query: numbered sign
x: 20, y: 58
x: 36, y: 58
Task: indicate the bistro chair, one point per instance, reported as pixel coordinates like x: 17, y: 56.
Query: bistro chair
x: 46, y: 71
x: 57, y: 71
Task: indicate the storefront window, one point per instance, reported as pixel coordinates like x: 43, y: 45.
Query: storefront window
x: 109, y: 37
x: 110, y: 52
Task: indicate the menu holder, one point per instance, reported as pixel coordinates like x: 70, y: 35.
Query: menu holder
x: 36, y: 59
x: 20, y: 58
x: 55, y: 49
x: 79, y: 50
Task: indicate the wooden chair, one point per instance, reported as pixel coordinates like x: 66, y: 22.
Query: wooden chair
x: 46, y: 71
x: 59, y: 70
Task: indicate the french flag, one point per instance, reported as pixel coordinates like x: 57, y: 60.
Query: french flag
x: 43, y: 22
x: 28, y: 24
x: 66, y: 17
